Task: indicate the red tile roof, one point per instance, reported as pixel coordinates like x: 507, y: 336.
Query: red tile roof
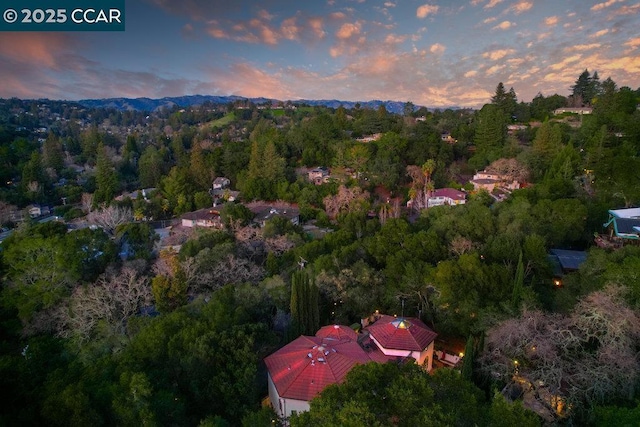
x: 304, y: 367
x: 338, y: 333
x: 401, y: 333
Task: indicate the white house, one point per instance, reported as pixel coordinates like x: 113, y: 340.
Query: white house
x: 447, y: 196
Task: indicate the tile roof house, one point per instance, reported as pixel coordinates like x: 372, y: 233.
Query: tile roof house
x: 303, y: 368
x: 403, y: 337
x: 446, y: 196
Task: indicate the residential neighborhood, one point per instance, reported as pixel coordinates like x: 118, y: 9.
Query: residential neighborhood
x: 257, y: 262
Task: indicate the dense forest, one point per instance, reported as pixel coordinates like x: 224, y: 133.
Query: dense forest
x: 107, y: 322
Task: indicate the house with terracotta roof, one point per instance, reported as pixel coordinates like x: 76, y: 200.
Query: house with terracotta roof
x: 447, y: 196
x: 403, y: 337
x: 300, y: 370
x: 303, y: 368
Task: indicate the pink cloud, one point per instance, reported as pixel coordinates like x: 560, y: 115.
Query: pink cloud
x: 635, y: 42
x: 604, y: 5
x: 599, y: 33
x: 348, y: 30
x: 437, y: 48
x: 504, y: 25
x: 426, y: 10
x: 289, y: 30
x: 41, y: 49
x: 492, y: 4
x: 316, y: 26
x: 522, y: 6
x: 498, y: 54
x: 394, y: 39
x: 550, y: 21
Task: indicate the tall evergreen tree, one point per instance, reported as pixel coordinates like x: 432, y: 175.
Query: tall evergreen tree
x: 201, y: 174
x: 469, y: 359
x: 52, y: 153
x: 490, y: 135
x: 518, y: 284
x: 106, y: 178
x: 305, y: 315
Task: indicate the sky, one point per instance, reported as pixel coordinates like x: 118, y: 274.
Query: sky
x: 434, y: 53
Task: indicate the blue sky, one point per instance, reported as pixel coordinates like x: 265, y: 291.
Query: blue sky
x: 434, y: 53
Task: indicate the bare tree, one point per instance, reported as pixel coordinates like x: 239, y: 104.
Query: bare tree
x: 87, y: 202
x: 585, y: 358
x: 109, y: 218
x: 279, y: 244
x: 461, y: 245
x: 347, y: 200
x: 7, y: 212
x: 510, y: 169
x: 111, y: 301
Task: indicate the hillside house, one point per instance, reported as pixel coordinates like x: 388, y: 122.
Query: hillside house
x: 264, y: 212
x: 403, y: 337
x: 446, y: 137
x: 303, y: 368
x: 220, y: 183
x: 447, y: 196
x: 36, y: 211
x: 319, y: 175
x: 577, y: 110
x: 208, y: 218
x: 485, y: 180
x: 623, y: 226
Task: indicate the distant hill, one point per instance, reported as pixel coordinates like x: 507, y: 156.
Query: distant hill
x: 148, y: 104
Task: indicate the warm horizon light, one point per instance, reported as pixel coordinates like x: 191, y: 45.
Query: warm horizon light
x: 432, y: 53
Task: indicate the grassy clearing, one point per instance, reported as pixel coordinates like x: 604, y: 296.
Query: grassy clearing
x: 222, y: 121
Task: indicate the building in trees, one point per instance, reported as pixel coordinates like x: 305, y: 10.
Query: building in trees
x: 487, y: 180
x: 403, y: 337
x: 623, y: 226
x: 303, y: 368
x: 264, y: 212
x: 447, y: 196
x: 207, y: 217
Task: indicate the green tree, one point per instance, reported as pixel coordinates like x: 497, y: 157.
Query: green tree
x: 469, y: 359
x: 546, y: 145
x: 150, y: 167
x: 377, y: 394
x: 201, y: 174
x: 505, y: 414
x: 169, y: 292
x: 52, y: 153
x: 305, y: 317
x: 106, y: 178
x: 518, y: 284
x: 490, y: 136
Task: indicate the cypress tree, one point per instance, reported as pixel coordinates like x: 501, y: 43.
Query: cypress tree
x: 469, y: 356
x: 106, y: 178
x: 305, y: 317
x: 518, y: 283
